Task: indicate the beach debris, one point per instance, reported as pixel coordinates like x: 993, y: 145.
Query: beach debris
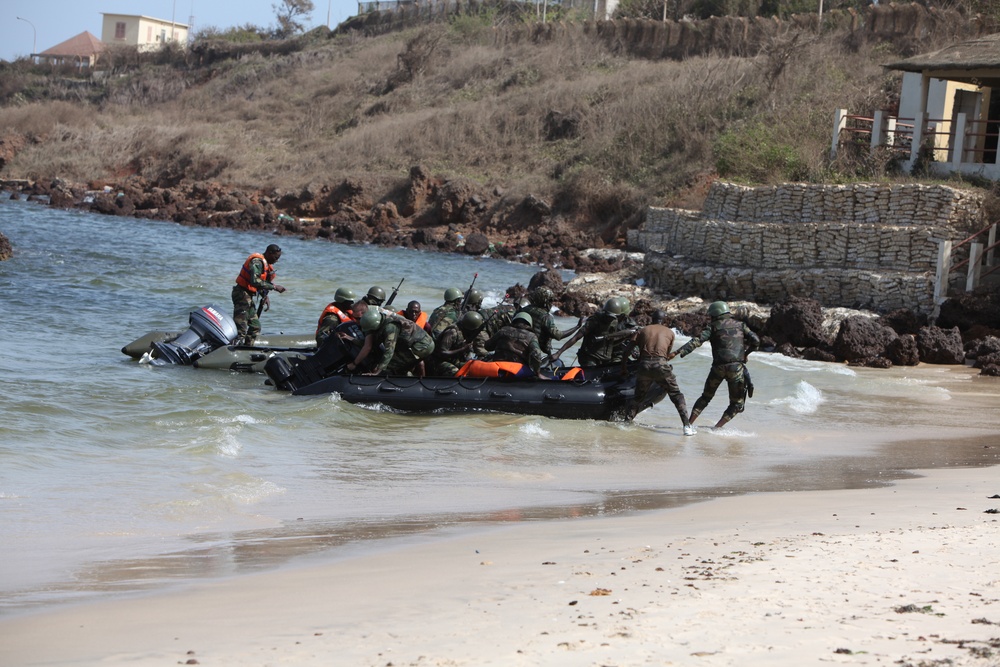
x: 548, y: 562
x: 983, y: 621
x: 600, y: 591
x: 992, y: 510
x: 994, y: 496
x: 914, y: 609
x: 845, y: 651
x: 573, y: 602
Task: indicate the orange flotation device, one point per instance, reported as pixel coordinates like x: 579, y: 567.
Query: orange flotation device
x: 474, y: 368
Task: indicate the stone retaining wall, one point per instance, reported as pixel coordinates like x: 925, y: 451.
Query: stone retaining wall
x: 869, y: 246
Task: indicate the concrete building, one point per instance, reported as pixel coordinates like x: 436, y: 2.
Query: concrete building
x: 81, y: 51
x: 145, y: 32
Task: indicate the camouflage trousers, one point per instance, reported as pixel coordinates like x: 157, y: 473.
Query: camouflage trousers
x: 656, y: 370
x: 735, y: 377
x: 245, y: 313
x: 405, y: 359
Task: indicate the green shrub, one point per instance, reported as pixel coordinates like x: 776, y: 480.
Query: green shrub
x: 758, y: 153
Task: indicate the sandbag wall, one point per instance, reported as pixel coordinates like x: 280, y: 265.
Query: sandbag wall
x: 857, y: 246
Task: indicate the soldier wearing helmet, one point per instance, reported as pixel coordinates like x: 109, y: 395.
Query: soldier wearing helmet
x: 732, y: 341
x: 473, y: 300
x: 400, y: 345
x: 453, y: 347
x: 375, y: 296
x: 654, y: 342
x: 447, y: 313
x: 543, y: 324
x: 516, y: 342
x: 337, y: 312
x: 599, y: 346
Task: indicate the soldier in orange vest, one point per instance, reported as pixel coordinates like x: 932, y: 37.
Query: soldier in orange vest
x: 255, y: 279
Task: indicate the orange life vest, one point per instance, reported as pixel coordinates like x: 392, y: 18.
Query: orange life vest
x: 331, y: 309
x: 421, y: 318
x: 573, y: 373
x: 246, y: 274
x: 475, y: 368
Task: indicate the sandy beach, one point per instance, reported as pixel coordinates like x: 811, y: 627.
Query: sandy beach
x: 899, y: 575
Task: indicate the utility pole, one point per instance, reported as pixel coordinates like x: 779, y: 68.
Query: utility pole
x: 329, y: 4
x: 34, y: 37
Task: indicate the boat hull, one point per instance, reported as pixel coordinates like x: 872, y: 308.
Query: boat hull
x: 603, y: 399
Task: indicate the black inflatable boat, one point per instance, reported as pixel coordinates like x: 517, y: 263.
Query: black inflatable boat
x: 595, y: 393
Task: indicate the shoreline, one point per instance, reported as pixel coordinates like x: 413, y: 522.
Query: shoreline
x: 892, y: 575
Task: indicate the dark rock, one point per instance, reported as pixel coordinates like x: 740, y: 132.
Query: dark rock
x: 860, y: 337
x: 871, y: 362
x: 970, y: 309
x: 798, y: 321
x: 940, y: 346
x: 690, y: 324
x: 818, y: 354
x: 991, y: 370
x: 559, y: 125
x: 476, y: 243
x: 551, y: 279
x: 904, y: 321
x: 903, y: 351
x: 6, y: 249
x: 788, y: 350
x: 988, y: 360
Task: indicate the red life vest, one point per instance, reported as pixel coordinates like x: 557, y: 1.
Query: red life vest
x: 421, y: 318
x: 331, y: 309
x: 246, y: 274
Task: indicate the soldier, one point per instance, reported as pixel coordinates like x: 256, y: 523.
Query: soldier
x: 447, y: 313
x: 516, y: 342
x: 543, y: 325
x: 401, y: 344
x: 473, y: 300
x: 732, y: 341
x: 256, y: 278
x: 654, y: 342
x: 413, y: 313
x: 452, y: 347
x: 597, y: 348
x: 336, y: 313
x: 375, y: 296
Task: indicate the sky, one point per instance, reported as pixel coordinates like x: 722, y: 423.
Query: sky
x: 48, y: 22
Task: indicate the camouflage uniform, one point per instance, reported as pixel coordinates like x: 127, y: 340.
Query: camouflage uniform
x: 244, y: 310
x: 515, y: 344
x: 402, y: 345
x: 731, y: 340
x: 544, y: 326
x: 595, y: 349
x: 443, y: 317
x: 450, y: 340
x: 494, y: 319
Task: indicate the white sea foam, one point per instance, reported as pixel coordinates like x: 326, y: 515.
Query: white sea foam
x: 729, y: 432
x: 783, y: 363
x: 534, y: 430
x: 253, y: 491
x: 805, y: 401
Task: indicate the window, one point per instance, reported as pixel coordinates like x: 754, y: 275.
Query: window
x: 120, y: 30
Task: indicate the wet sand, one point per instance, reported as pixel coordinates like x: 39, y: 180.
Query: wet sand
x: 902, y: 574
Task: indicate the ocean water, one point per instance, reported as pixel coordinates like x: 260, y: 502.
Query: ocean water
x: 118, y: 477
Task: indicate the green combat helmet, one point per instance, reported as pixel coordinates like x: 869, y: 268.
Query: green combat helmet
x: 625, y: 305
x: 524, y: 317
x: 613, y: 306
x: 474, y: 299
x: 541, y: 297
x: 471, y: 321
x: 452, y: 294
x: 344, y: 295
x: 376, y: 295
x: 718, y: 309
x: 371, y: 320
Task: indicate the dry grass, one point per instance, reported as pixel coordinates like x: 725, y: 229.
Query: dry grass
x: 597, y: 133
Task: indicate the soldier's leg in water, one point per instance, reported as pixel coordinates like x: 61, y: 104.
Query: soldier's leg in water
x: 242, y: 307
x: 642, y: 384
x: 737, y: 395
x: 668, y: 381
x: 715, y: 378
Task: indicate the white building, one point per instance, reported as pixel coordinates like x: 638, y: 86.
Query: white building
x: 145, y: 32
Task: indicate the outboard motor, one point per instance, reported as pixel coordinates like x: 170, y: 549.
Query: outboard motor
x: 209, y: 328
x: 330, y: 359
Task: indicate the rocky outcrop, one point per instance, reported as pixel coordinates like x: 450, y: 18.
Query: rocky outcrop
x: 6, y: 250
x: 862, y: 337
x: 940, y: 346
x: 797, y: 321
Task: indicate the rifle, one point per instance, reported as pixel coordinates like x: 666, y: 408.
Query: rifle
x: 467, y: 292
x: 395, y: 291
x: 263, y: 302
